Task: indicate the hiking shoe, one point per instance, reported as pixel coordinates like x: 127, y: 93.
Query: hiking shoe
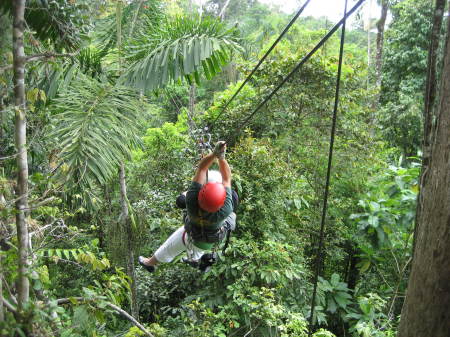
x: 150, y: 269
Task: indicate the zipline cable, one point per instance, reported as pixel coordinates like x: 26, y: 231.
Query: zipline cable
x: 297, y: 67
x: 319, y: 258
x: 261, y: 61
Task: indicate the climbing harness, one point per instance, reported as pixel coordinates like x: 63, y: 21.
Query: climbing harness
x: 203, y: 234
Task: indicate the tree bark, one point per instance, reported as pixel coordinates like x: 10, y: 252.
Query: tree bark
x: 425, y: 311
x: 126, y: 225
x: 2, y: 316
x: 430, y: 97
x: 380, y: 40
x: 430, y: 91
x: 3, y: 48
x: 21, y: 143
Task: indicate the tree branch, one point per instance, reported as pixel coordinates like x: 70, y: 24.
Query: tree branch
x: 112, y: 306
x: 9, y: 306
x: 39, y: 57
x: 41, y: 203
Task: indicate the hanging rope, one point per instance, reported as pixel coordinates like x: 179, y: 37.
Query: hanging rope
x: 241, y: 124
x: 261, y: 61
x: 319, y: 258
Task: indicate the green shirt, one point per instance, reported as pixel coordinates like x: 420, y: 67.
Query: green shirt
x: 199, y: 217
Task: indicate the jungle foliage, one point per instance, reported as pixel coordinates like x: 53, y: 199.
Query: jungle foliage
x: 135, y: 82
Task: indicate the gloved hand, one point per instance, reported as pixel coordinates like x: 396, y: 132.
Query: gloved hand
x: 219, y: 149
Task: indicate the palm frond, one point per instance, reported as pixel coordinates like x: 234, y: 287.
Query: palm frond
x: 181, y: 47
x: 95, y: 127
x: 53, y: 77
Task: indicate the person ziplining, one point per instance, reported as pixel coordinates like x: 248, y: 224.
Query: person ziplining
x: 194, y: 195
x: 210, y: 213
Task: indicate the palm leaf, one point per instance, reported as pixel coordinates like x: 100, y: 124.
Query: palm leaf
x: 188, y: 46
x: 95, y: 126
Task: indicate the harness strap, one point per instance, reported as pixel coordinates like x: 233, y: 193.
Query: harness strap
x: 227, y: 241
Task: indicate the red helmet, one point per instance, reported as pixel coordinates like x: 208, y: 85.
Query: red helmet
x: 212, y: 197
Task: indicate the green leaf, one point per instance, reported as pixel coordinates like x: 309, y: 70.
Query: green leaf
x: 331, y: 306
x: 341, y: 300
x: 66, y: 253
x: 73, y: 300
x: 374, y: 206
x: 373, y: 220
x: 334, y: 279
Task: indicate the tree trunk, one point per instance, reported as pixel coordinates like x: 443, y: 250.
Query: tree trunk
x: 124, y: 216
x: 369, y: 52
x: 380, y: 39
x: 352, y: 270
x: 21, y: 142
x: 222, y: 11
x: 191, y: 108
x: 430, y: 97
x: 430, y: 91
x: 192, y: 100
x: 126, y: 225
x: 426, y: 311
x: 2, y: 315
x: 2, y: 107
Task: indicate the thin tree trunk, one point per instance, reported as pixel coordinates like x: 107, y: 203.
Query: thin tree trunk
x: 2, y: 108
x: 222, y: 11
x: 353, y: 271
x: 426, y: 311
x: 126, y: 225
x: 5, y: 36
x: 2, y: 315
x: 124, y: 216
x: 191, y: 108
x: 369, y: 52
x: 380, y: 40
x: 192, y: 99
x: 21, y: 142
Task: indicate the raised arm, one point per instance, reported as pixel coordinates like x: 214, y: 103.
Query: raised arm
x: 225, y: 171
x: 202, y: 169
x: 224, y: 168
